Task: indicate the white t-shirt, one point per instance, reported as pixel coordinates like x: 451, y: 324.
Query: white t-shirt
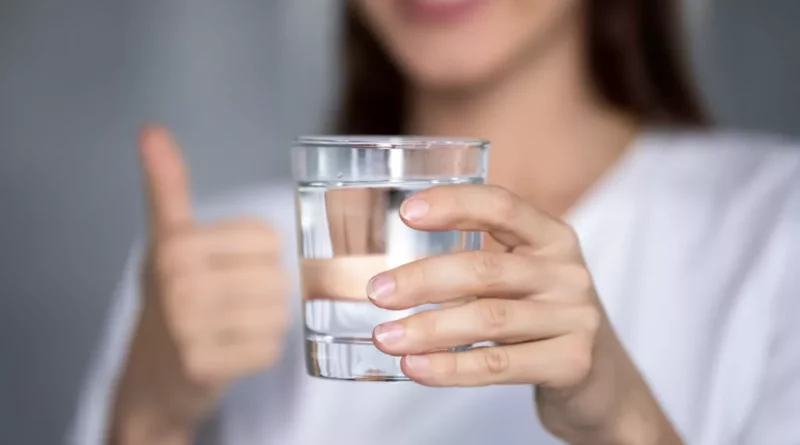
x: 694, y: 244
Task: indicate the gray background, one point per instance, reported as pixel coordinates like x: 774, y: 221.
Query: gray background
x: 235, y: 80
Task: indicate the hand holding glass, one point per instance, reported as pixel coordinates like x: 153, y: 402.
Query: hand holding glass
x: 349, y: 192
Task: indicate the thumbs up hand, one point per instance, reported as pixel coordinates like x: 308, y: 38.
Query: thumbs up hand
x: 214, y: 307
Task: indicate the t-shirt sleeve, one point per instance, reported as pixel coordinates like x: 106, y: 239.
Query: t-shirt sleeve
x: 775, y: 420
x: 90, y: 425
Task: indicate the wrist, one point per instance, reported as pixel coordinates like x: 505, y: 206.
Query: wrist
x: 642, y: 422
x: 629, y: 414
x: 152, y: 403
x: 637, y: 417
x: 148, y: 408
x: 138, y: 425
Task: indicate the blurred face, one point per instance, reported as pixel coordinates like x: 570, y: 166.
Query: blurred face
x: 461, y: 43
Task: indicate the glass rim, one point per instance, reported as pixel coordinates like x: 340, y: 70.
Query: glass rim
x: 389, y: 142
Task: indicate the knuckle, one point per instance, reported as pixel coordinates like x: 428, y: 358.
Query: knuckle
x: 495, y: 360
x: 590, y: 318
x: 580, y: 278
x: 445, y: 367
x: 424, y: 325
x: 582, y: 367
x: 259, y: 234
x: 273, y: 239
x: 487, y: 266
x: 526, y: 251
x: 268, y: 233
x: 509, y: 206
x: 570, y: 237
x: 578, y: 364
x: 411, y: 276
x: 264, y: 231
x: 493, y: 314
x: 446, y: 197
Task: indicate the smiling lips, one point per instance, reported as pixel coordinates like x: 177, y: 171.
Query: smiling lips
x: 440, y: 10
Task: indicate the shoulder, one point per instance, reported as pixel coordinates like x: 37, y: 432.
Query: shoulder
x: 725, y: 173
x: 731, y: 201
x: 727, y: 204
x: 716, y: 160
x: 724, y: 142
x: 721, y: 216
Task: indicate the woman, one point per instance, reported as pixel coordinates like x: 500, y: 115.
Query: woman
x: 657, y: 309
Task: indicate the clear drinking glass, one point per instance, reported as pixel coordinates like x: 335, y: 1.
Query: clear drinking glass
x: 349, y: 191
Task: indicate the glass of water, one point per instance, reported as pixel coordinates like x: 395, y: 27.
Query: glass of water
x: 349, y: 191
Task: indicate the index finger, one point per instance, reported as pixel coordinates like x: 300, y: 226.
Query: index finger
x: 485, y: 208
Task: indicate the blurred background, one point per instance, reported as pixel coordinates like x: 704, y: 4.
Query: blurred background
x: 236, y: 80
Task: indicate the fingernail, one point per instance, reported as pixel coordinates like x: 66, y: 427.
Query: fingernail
x: 415, y: 209
x: 380, y: 286
x: 417, y: 362
x: 389, y: 333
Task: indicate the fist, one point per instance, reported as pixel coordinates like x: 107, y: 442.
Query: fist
x: 218, y: 291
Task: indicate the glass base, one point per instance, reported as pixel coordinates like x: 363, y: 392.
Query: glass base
x: 355, y: 359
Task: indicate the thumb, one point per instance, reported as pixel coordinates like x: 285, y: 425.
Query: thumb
x: 166, y: 179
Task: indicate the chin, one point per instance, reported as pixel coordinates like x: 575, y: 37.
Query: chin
x: 461, y: 44
x: 448, y: 78
x: 451, y: 67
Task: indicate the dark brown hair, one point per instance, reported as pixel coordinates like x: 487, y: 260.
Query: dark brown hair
x: 635, y: 55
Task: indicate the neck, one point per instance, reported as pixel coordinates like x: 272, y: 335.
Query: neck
x: 551, y: 138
